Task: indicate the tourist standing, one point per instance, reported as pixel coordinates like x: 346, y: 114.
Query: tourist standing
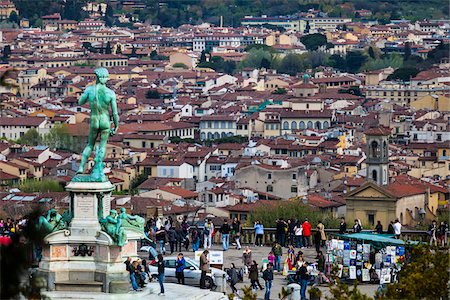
x: 317, y: 241
x: 172, y: 237
x: 161, y: 239
x: 278, y: 252
x: 342, y: 226
x: 247, y: 259
x: 323, y: 236
x: 195, y: 238
x: 357, y: 226
x: 398, y: 229
x: 185, y: 227
x: 379, y: 227
x: 443, y: 228
x: 306, y: 233
x: 161, y: 274
x: 225, y: 231
x: 291, y: 234
x: 298, y: 233
x: 207, y: 234
x: 268, y: 278
x: 281, y: 231
x: 236, y: 231
x: 259, y: 233
x: 390, y: 228
x: 303, y: 276
x: 180, y: 265
x: 253, y: 276
x: 204, y: 267
x: 271, y: 258
x: 432, y: 231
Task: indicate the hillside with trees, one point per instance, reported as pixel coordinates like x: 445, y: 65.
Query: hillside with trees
x: 173, y: 13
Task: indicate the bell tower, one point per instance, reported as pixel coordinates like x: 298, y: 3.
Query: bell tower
x: 377, y: 140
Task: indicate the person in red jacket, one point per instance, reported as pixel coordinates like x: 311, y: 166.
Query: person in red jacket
x: 306, y: 233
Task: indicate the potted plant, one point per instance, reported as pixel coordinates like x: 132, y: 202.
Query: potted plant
x: 314, y: 293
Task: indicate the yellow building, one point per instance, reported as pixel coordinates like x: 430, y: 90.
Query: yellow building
x: 435, y: 102
x: 6, y: 8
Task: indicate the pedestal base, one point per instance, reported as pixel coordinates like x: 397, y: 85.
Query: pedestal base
x: 83, y: 257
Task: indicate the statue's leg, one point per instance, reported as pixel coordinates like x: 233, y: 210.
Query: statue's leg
x: 88, y: 150
x: 104, y: 134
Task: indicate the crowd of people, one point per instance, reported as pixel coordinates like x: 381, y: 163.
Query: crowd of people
x: 292, y: 236
x: 11, y: 226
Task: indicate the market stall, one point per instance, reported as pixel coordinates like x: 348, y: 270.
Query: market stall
x: 365, y: 257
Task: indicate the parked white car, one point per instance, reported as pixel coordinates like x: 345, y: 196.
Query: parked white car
x: 192, y: 272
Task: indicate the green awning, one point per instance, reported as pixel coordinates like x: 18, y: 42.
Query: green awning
x: 376, y: 240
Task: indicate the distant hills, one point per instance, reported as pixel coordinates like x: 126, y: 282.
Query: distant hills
x: 173, y: 13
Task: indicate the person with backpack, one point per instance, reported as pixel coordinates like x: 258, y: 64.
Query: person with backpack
x: 268, y: 278
x: 233, y: 278
x: 278, y: 252
x: 253, y: 276
x: 303, y: 277
x: 195, y: 237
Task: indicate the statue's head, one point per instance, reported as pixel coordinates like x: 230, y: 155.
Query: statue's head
x: 123, y: 210
x: 113, y: 212
x: 101, y: 75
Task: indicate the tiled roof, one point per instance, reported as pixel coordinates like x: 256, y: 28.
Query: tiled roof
x: 186, y: 194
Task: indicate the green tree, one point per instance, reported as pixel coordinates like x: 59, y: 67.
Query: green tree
x: 59, y: 138
x: 180, y: 65
x: 354, y: 60
x: 403, y: 74
x: 133, y: 52
x: 291, y: 209
x: 6, y: 52
x: 260, y: 46
x: 255, y: 57
x: 152, y: 94
x: 279, y: 91
x: 13, y: 17
x: 341, y: 291
x: 109, y: 16
x: 118, y: 49
x: 426, y: 276
x: 313, y: 41
x: 202, y: 57
x: 108, y: 49
x: 316, y: 58
x: 337, y: 61
x: 30, y: 138
x: 407, y: 51
x: 292, y: 64
x: 153, y: 54
x: 73, y: 9
x: 43, y: 186
x: 371, y: 53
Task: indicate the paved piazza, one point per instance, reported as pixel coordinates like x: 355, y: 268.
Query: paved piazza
x: 259, y: 253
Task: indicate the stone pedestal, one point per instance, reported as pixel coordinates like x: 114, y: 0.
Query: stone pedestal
x: 83, y: 257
